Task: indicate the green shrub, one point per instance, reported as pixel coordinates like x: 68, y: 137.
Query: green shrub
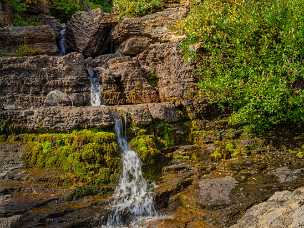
x: 250, y: 55
x: 136, y: 7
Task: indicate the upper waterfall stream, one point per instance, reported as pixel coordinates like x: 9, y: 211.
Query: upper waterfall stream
x: 132, y: 199
x: 61, y: 42
x: 95, y: 88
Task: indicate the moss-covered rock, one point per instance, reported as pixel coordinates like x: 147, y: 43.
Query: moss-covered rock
x: 90, y: 156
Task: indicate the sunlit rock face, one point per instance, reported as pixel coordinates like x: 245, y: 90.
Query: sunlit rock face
x: 69, y: 118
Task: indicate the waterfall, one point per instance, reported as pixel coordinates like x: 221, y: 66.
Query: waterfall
x: 61, y: 42
x: 132, y: 200
x: 95, y: 88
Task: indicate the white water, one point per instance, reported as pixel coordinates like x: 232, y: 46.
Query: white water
x: 61, y: 42
x: 132, y: 198
x: 95, y: 88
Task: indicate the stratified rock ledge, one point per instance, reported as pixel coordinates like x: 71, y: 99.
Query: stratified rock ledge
x: 69, y: 118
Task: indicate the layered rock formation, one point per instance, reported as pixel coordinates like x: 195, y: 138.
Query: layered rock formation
x: 90, y: 32
x: 26, y: 82
x: 68, y: 118
x: 29, y: 40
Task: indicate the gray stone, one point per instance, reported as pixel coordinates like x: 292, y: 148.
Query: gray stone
x: 57, y: 98
x: 216, y: 192
x: 283, y: 209
x: 284, y: 174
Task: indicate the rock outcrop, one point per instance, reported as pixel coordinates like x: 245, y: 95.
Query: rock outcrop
x: 90, y: 32
x: 28, y: 40
x: 175, y: 78
x: 283, y: 209
x: 156, y: 26
x: 69, y: 118
x: 25, y: 82
x: 124, y: 81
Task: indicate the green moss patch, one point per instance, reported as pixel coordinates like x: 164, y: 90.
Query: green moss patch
x: 90, y: 156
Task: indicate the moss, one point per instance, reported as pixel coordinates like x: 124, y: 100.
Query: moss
x: 91, y: 156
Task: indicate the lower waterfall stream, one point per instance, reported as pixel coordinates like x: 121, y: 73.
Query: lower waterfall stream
x: 132, y: 199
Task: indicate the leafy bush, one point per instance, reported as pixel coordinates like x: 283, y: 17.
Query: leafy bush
x: 250, y: 55
x: 136, y: 7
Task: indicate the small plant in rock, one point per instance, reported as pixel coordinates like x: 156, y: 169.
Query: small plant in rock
x: 25, y: 50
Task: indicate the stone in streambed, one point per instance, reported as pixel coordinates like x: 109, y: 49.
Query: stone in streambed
x: 283, y: 209
x: 216, y: 192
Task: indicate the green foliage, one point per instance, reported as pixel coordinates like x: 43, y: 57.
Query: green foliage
x: 251, y: 58
x: 136, y: 7
x: 145, y: 147
x: 165, y: 133
x: 91, y: 156
x: 298, y: 151
x: 148, y: 149
x: 25, y: 50
x: 64, y: 9
x: 18, y: 6
x: 19, y: 20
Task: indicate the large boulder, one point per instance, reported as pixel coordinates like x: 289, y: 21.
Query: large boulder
x: 57, y: 98
x: 124, y: 81
x: 216, y: 192
x: 283, y: 209
x: 175, y: 78
x: 28, y: 40
x: 89, y: 32
x: 25, y: 82
x: 156, y: 26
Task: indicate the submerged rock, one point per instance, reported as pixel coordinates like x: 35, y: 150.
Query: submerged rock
x: 283, y: 209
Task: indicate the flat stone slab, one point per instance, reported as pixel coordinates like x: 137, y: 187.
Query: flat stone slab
x: 69, y: 118
x: 216, y: 192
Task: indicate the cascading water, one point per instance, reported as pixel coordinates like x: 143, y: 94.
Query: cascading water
x: 95, y: 88
x: 132, y: 200
x: 61, y: 42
